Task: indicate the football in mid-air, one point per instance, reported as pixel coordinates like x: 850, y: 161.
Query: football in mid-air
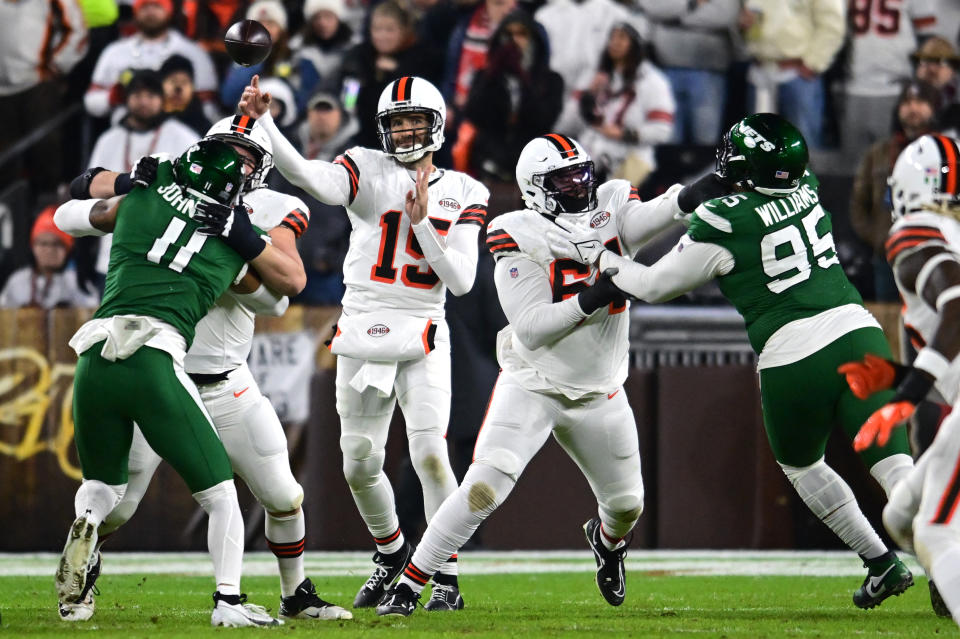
x: 248, y: 42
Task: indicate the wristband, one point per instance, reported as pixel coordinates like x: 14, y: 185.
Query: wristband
x: 931, y: 362
x: 123, y: 184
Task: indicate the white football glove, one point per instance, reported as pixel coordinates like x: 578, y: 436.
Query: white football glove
x: 569, y: 241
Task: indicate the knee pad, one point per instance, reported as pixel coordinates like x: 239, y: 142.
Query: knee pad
x: 820, y: 487
x: 485, y: 488
x: 501, y: 459
x: 361, y: 463
x: 224, y: 492
x: 626, y: 507
x: 282, y: 497
x: 428, y: 454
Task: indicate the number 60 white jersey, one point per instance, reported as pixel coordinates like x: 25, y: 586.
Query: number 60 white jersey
x: 385, y: 267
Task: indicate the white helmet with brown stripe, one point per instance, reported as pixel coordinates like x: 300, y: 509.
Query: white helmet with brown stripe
x: 925, y: 177
x: 411, y: 94
x: 243, y: 131
x: 556, y: 177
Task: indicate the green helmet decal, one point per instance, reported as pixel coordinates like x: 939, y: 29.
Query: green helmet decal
x: 764, y: 152
x: 211, y: 168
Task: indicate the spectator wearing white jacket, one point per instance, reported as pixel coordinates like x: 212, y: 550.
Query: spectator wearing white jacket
x: 626, y: 111
x: 154, y: 42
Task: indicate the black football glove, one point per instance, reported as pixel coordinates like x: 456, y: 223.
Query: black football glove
x: 706, y: 188
x: 143, y: 174
x: 232, y: 225
x: 601, y: 293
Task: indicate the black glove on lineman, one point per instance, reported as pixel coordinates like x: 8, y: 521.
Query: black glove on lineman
x: 143, y: 174
x: 232, y: 225
x: 706, y: 188
x: 603, y: 292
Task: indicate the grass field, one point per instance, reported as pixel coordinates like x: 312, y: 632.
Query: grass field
x: 688, y: 594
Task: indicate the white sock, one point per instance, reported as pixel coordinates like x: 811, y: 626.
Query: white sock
x: 224, y: 534
x: 482, y: 491
x: 95, y: 499
x: 831, y: 500
x: 286, y: 537
x: 890, y: 470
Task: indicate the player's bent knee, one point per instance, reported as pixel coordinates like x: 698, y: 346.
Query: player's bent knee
x: 361, y: 463
x: 281, y: 499
x: 356, y: 447
x: 506, y: 461
x: 627, y: 507
x: 428, y: 454
x: 485, y: 487
x: 819, y: 486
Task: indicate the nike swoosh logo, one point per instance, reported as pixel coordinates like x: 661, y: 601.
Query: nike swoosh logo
x: 876, y: 581
x: 239, y: 393
x: 610, y: 396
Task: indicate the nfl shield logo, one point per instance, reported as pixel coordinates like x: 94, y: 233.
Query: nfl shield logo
x: 514, y: 272
x: 781, y: 175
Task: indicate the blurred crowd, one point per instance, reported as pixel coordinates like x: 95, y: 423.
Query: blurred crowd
x: 104, y: 82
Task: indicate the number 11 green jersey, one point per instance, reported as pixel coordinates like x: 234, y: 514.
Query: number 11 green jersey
x: 786, y: 262
x: 160, y: 265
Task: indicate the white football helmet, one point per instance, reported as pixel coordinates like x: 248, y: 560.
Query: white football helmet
x: 555, y: 175
x: 243, y: 131
x: 925, y: 176
x: 411, y: 94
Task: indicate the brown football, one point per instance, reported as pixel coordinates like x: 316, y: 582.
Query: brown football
x: 248, y: 42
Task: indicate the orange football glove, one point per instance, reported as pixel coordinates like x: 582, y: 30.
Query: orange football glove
x: 869, y: 376
x: 879, y: 426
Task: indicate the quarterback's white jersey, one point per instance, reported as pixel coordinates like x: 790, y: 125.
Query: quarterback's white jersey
x: 550, y: 345
x: 385, y: 267
x: 222, y: 341
x: 909, y: 234
x: 391, y: 264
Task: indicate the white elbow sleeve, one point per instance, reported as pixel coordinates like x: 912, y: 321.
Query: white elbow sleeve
x: 263, y: 301
x: 73, y: 218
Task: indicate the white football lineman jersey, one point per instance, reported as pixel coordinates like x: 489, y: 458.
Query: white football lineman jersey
x: 911, y: 233
x: 384, y: 268
x: 591, y: 357
x: 222, y: 341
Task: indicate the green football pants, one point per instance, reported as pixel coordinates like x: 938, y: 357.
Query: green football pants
x: 150, y: 389
x: 804, y: 401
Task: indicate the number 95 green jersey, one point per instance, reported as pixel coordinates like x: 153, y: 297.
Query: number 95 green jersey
x: 160, y: 265
x: 786, y: 262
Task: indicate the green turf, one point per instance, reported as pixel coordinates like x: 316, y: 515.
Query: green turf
x: 530, y: 605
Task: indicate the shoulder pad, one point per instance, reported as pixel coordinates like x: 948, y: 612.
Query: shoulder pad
x: 519, y: 232
x: 710, y: 214
x: 914, y: 231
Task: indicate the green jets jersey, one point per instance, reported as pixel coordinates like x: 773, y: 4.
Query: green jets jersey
x: 160, y: 265
x: 786, y: 262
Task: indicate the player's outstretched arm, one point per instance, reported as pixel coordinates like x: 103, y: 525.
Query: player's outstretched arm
x: 97, y: 182
x: 687, y: 266
x: 527, y: 301
x: 80, y: 218
x: 325, y: 181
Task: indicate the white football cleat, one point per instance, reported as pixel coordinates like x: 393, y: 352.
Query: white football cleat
x: 77, y: 553
x: 83, y: 609
x: 233, y: 611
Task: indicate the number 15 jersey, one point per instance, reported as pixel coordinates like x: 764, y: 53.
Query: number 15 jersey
x: 385, y: 267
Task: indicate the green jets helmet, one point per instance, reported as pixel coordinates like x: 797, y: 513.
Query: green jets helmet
x: 763, y: 152
x: 211, y: 169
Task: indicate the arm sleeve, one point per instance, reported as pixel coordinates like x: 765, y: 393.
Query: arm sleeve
x: 454, y: 261
x: 689, y: 265
x: 329, y: 183
x: 527, y: 302
x: 642, y: 221
x: 263, y: 301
